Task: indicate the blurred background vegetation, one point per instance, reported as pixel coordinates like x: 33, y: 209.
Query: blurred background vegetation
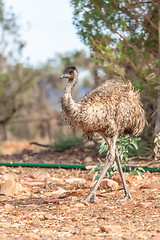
x: 124, y: 42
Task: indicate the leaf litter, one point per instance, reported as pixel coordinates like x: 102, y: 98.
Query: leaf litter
x: 46, y: 203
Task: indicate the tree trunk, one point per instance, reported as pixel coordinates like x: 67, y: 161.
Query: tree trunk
x: 157, y: 124
x: 159, y: 29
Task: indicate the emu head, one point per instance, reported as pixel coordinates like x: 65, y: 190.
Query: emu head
x: 70, y: 73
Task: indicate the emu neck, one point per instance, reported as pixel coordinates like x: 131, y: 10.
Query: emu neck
x: 69, y: 87
x: 68, y: 104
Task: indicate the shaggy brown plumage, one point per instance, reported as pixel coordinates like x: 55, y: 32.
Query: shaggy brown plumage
x: 111, y: 109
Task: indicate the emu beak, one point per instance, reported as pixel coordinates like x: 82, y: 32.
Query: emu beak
x: 65, y: 76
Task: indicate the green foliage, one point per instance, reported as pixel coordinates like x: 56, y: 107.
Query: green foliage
x: 123, y: 38
x: 14, y: 85
x: 137, y: 171
x: 144, y: 149
x: 63, y: 143
x: 120, y: 27
x: 11, y: 44
x: 15, y: 79
x: 97, y: 170
x: 123, y: 145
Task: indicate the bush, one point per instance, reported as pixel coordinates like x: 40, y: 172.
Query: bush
x: 123, y: 145
x: 63, y: 143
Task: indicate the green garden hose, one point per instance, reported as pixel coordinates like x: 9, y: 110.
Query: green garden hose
x: 48, y: 165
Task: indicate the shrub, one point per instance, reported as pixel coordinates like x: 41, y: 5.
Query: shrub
x: 123, y: 145
x: 63, y: 142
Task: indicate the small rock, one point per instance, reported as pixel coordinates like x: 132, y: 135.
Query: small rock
x: 59, y: 192
x: 28, y: 178
x: 108, y: 183
x: 8, y: 187
x: 117, y: 178
x: 10, y: 176
x: 84, y: 185
x: 88, y: 160
x: 153, y: 185
x: 111, y: 229
x: 41, y: 175
x: 79, y: 205
x: 48, y: 216
x: 41, y: 216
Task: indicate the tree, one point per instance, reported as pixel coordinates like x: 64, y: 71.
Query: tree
x: 11, y: 44
x: 15, y: 79
x: 78, y: 58
x: 124, y: 37
x: 14, y: 92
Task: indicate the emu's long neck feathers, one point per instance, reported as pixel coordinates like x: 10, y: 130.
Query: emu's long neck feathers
x: 69, y: 86
x: 70, y: 107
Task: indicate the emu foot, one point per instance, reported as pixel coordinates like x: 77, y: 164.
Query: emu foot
x: 89, y: 198
x: 126, y: 198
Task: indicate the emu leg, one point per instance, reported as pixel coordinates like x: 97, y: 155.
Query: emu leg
x: 109, y: 161
x: 126, y: 191
x: 127, y: 194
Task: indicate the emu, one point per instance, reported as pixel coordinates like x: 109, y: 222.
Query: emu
x: 112, y: 109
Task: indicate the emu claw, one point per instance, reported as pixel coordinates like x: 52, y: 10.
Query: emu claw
x: 126, y: 198
x: 89, y: 198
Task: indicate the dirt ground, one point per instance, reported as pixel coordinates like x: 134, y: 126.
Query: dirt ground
x: 45, y: 203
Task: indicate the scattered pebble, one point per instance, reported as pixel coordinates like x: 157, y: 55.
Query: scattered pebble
x: 109, y: 183
x: 88, y: 160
